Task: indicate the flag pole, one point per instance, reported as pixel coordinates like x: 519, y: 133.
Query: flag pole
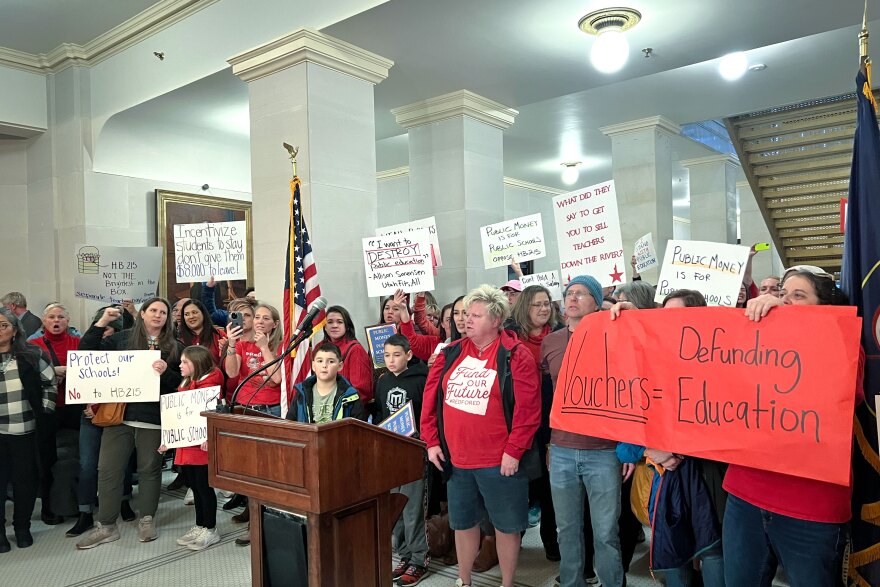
x: 863, y: 35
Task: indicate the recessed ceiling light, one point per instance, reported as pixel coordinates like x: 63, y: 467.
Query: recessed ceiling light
x: 733, y: 66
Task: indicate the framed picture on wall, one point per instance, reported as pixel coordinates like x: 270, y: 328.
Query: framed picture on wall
x: 174, y: 208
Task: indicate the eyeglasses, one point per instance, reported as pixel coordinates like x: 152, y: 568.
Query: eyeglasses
x: 5, y: 325
x: 573, y: 295
x: 540, y: 305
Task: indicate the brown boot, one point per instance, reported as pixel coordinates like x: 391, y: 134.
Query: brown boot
x: 243, y: 517
x: 488, y: 556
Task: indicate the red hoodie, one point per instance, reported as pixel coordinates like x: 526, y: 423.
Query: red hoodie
x: 356, y: 367
x: 194, y: 455
x: 473, y: 417
x: 60, y: 343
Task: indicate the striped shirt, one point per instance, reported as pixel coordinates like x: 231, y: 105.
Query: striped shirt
x: 16, y: 415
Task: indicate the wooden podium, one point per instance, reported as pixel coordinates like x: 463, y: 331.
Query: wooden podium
x: 336, y: 475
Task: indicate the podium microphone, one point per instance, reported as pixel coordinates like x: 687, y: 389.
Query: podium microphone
x: 306, y: 323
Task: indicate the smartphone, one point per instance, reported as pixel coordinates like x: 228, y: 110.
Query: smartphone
x: 235, y: 319
x: 762, y: 246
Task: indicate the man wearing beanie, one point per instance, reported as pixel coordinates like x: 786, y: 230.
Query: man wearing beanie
x: 580, y: 464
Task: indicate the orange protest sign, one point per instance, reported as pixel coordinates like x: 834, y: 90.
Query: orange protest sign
x: 707, y: 382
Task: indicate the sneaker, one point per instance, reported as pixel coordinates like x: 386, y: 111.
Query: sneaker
x: 189, y: 498
x: 594, y: 580
x: 206, y: 538
x: 400, y: 569
x: 147, y: 529
x: 412, y: 576
x: 99, y: 535
x: 190, y: 536
x: 225, y: 494
x: 460, y: 583
x: 534, y: 516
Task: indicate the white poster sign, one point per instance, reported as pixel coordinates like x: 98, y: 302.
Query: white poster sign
x: 428, y: 223
x: 101, y: 377
x: 400, y: 261
x: 588, y: 234
x: 182, y: 424
x: 521, y: 239
x: 548, y: 279
x: 115, y: 274
x: 646, y: 255
x: 210, y: 248
x: 714, y: 269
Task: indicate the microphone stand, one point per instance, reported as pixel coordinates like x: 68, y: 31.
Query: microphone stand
x: 303, y: 335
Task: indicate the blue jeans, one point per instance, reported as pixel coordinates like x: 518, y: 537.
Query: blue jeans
x: 755, y: 539
x: 572, y: 472
x: 89, y: 449
x: 712, y: 571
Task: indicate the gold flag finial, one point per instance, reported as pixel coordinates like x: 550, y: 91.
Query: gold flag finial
x: 863, y: 35
x: 292, y: 151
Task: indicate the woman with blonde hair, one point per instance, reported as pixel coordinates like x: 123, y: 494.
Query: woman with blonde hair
x: 480, y: 413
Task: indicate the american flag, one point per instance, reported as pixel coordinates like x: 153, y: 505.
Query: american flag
x: 300, y: 290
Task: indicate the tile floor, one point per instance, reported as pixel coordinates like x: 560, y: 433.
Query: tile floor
x: 53, y: 560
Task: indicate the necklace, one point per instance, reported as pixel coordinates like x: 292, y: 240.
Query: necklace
x: 480, y: 349
x: 152, y: 341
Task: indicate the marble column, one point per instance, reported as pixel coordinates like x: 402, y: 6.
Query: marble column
x: 712, y: 181
x: 641, y: 160
x: 315, y: 92
x: 753, y: 229
x: 456, y: 173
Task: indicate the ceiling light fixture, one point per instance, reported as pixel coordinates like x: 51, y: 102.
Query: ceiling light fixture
x: 611, y: 49
x: 733, y: 66
x: 570, y: 174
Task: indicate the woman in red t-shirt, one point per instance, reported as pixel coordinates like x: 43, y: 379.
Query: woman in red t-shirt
x: 775, y: 518
x: 486, y: 408
x: 356, y: 365
x: 251, y: 346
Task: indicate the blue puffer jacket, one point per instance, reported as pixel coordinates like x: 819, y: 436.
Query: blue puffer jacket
x: 683, y: 520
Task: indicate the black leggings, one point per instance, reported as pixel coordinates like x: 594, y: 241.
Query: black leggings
x: 196, y: 477
x: 18, y: 464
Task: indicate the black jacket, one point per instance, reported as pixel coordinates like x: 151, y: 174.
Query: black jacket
x: 393, y: 391
x: 147, y: 412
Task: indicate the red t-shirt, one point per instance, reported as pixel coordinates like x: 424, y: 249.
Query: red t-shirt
x: 473, y: 414
x: 796, y: 497
x: 251, y: 360
x: 194, y: 455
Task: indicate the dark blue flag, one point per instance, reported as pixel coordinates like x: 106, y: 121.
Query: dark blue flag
x: 860, y: 279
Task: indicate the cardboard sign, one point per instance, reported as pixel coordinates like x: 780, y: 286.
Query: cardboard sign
x: 376, y: 337
x: 400, y: 422
x: 115, y: 274
x: 708, y: 382
x: 588, y: 234
x: 428, y: 223
x: 401, y: 261
x: 206, y: 249
x: 100, y: 377
x: 521, y: 239
x: 182, y: 422
x: 548, y: 279
x: 714, y: 269
x: 646, y: 256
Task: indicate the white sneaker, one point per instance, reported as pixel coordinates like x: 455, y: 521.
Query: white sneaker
x: 460, y: 583
x: 147, y: 529
x: 226, y: 494
x: 206, y: 538
x: 190, y: 536
x: 189, y: 498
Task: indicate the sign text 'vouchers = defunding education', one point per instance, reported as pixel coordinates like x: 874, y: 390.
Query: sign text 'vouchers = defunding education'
x: 708, y: 382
